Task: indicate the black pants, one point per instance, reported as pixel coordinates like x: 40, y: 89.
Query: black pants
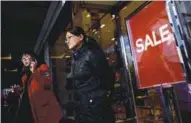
x: 24, y: 113
x: 93, y: 107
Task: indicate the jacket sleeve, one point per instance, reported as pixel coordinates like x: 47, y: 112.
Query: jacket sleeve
x: 69, y: 82
x: 45, y: 73
x: 101, y: 68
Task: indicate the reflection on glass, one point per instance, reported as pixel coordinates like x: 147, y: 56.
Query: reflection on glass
x: 185, y: 10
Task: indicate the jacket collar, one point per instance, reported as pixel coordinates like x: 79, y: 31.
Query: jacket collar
x: 79, y: 52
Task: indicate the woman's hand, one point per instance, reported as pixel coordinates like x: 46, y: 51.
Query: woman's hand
x: 33, y: 65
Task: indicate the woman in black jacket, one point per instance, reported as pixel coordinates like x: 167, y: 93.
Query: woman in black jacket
x: 91, y: 78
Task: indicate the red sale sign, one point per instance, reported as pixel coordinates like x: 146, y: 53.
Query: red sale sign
x: 153, y: 46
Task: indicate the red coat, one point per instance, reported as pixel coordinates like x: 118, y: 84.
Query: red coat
x: 44, y: 106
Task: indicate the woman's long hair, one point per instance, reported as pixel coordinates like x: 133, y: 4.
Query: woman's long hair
x: 77, y: 31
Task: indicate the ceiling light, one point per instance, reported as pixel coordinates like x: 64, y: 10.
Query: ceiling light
x: 88, y: 15
x: 67, y: 57
x: 124, y: 8
x: 113, y: 39
x: 58, y: 57
x: 6, y: 57
x: 102, y: 25
x: 113, y: 16
x: 13, y: 70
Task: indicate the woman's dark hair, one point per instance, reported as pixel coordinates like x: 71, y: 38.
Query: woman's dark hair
x: 31, y: 53
x: 77, y: 30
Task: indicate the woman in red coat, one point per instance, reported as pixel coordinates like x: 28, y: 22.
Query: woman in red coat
x: 38, y: 85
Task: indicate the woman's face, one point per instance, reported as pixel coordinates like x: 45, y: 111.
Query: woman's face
x: 73, y: 41
x: 26, y: 60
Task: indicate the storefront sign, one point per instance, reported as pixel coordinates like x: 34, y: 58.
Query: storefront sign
x: 153, y: 46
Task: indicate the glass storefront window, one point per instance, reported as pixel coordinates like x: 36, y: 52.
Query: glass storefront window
x: 185, y: 11
x: 180, y: 16
x: 107, y: 31
x: 126, y: 11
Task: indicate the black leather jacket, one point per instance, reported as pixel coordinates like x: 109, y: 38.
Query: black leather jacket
x: 90, y: 70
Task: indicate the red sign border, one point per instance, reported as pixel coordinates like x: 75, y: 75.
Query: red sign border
x: 132, y: 51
